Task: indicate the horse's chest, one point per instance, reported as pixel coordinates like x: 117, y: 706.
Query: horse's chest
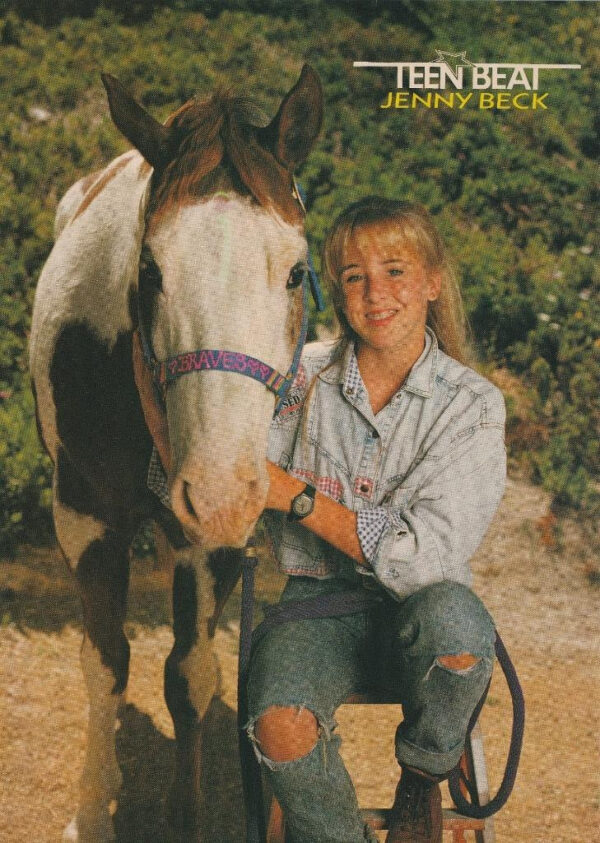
x: 98, y: 415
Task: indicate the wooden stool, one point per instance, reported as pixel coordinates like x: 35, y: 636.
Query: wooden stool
x: 473, y: 765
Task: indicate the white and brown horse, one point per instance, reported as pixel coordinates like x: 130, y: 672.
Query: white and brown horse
x: 204, y: 212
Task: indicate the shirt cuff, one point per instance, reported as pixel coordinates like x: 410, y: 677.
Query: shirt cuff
x: 371, y: 524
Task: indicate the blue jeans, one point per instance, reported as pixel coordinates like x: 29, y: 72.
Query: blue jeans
x: 394, y: 648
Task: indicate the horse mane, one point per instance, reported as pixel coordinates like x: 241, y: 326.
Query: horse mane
x: 218, y: 131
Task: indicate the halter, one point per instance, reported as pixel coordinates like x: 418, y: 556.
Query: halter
x: 220, y: 360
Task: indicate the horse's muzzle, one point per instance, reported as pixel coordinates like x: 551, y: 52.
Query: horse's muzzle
x: 213, y: 515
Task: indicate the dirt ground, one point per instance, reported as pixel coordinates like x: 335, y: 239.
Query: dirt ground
x: 535, y: 581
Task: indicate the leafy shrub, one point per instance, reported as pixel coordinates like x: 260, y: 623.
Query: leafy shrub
x: 25, y: 474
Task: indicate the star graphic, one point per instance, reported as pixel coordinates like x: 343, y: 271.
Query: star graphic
x: 442, y: 58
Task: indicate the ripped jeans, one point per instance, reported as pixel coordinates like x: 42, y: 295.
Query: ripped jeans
x: 394, y: 648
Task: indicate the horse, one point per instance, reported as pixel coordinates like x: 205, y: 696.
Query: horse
x: 196, y: 235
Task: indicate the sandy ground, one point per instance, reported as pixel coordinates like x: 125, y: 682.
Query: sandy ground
x: 536, y: 585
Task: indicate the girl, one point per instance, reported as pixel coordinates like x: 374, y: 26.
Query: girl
x: 387, y: 463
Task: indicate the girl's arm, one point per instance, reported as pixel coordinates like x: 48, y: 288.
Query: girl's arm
x: 329, y: 520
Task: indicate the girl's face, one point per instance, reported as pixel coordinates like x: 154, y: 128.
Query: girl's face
x: 386, y: 286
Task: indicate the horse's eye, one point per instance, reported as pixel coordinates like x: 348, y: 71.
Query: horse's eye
x: 296, y: 276
x: 150, y: 274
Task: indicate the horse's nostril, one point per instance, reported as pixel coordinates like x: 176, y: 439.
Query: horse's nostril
x: 187, y: 501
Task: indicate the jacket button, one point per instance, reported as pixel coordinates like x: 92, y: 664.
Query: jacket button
x: 364, y: 488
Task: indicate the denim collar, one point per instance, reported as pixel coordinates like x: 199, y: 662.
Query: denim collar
x: 420, y: 379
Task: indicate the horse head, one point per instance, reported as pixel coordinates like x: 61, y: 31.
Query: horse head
x: 222, y: 258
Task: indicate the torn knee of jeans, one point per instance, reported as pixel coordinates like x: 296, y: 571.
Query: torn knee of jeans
x: 459, y: 663
x: 286, y: 733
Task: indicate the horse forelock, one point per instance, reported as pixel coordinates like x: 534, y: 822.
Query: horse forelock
x: 216, y: 148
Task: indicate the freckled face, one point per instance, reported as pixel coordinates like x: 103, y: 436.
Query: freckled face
x: 387, y: 287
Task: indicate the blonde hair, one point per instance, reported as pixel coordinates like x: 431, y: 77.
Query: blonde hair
x: 384, y: 219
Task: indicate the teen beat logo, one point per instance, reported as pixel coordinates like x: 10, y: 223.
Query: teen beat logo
x: 452, y: 81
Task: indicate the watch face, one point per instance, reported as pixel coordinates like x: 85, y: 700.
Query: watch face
x: 303, y: 505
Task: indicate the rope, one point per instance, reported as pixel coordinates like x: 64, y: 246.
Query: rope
x: 321, y: 606
x: 474, y: 809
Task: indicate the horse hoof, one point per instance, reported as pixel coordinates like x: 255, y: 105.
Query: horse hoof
x: 70, y: 834
x: 88, y: 829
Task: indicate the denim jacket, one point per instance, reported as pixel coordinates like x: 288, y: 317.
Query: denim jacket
x: 425, y: 474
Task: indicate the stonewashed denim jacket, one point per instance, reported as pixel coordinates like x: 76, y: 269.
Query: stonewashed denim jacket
x: 425, y: 474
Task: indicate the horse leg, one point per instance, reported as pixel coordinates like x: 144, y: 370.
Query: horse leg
x: 100, y: 559
x: 201, y: 584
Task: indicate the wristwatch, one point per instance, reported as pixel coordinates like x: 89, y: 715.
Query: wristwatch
x: 303, y: 504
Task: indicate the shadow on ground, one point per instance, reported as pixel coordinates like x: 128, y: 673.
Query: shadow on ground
x: 146, y: 758
x: 38, y: 593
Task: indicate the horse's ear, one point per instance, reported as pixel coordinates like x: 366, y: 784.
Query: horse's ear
x: 148, y: 136
x: 294, y: 129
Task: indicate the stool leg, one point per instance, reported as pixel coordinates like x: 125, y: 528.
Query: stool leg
x: 477, y: 772
x: 472, y: 765
x: 276, y: 827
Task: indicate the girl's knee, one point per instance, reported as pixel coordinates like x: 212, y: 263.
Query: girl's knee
x: 286, y: 733
x: 460, y: 662
x: 448, y: 620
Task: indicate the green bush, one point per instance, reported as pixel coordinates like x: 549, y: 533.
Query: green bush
x: 25, y: 475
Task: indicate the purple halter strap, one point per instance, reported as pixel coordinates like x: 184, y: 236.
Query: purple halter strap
x: 217, y: 360
x: 220, y: 360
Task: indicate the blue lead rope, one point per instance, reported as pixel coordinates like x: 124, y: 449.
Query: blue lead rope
x: 456, y: 777
x: 315, y: 287
x: 313, y: 278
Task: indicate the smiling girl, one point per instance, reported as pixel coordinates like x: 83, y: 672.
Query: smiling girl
x: 387, y: 463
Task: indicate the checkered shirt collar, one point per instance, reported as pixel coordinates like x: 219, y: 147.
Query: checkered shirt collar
x: 420, y: 379
x: 353, y: 381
